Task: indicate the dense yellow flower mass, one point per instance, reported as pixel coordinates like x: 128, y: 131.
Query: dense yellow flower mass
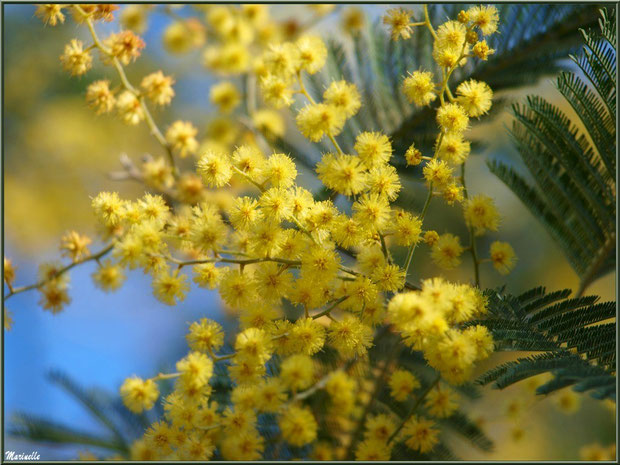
x: 305, y: 276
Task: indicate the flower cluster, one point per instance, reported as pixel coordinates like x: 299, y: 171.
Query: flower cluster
x: 303, y: 275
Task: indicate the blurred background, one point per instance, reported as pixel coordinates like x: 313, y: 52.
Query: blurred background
x: 57, y: 154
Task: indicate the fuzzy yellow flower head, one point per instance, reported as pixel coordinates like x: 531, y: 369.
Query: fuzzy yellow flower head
x: 503, y: 257
x: 399, y: 21
x: 419, y: 88
x: 344, y: 174
x: 181, y: 135
x: 75, y: 59
x: 343, y: 96
x: 446, y: 252
x: 452, y: 117
x: 125, y: 45
x: 485, y: 18
x: 413, y: 156
x: 205, y: 335
x: 402, y: 383
x: 317, y: 120
x: 139, y: 395
x: 373, y: 148
x: 75, y: 245
x: 158, y: 88
x: 215, y: 168
x: 421, y: 434
x: 100, y: 97
x: 312, y: 53
x: 297, y: 372
x: 350, y: 336
x: 51, y: 13
x: 481, y: 214
x: 298, y: 426
x: 129, y: 108
x: 475, y: 97
x: 170, y: 288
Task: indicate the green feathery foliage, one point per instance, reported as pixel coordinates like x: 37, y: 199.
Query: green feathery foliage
x: 576, y: 339
x: 573, y: 168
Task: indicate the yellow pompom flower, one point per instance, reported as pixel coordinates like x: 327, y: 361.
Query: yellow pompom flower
x: 379, y: 427
x: 373, y: 449
x: 248, y: 445
x: 298, y: 426
x: 158, y: 87
x: 319, y: 119
x: 297, y: 372
x: 248, y: 159
x: 421, y: 434
x: 170, y: 288
x: 419, y: 88
x: 225, y: 96
x: 238, y: 420
x: 389, y: 277
x: 451, y: 36
x: 159, y: 437
x: 282, y: 59
x: 353, y: 20
x: 207, y: 275
x: 344, y: 174
x: 138, y: 394
x: 373, y: 148
x: 205, y: 335
x: 437, y: 172
x: 276, y: 204
x: 276, y: 91
x: 407, y: 228
x: 181, y: 135
x: 319, y: 263
x: 279, y: 170
x: 108, y: 208
x: 75, y: 59
x: 254, y: 344
x: 413, y: 156
x: 312, y: 53
x: 215, y: 168
x: 399, y: 21
x: 196, y: 369
x: 129, y: 108
x: 485, y: 18
x: 441, y: 403
x: 384, y: 181
x: 402, y: 383
x: 503, y: 257
x: 350, y: 337
x: 481, y: 214
x: 100, y: 97
x: 50, y: 13
x: 475, y: 97
x: 372, y: 210
x: 269, y: 123
x: 273, y: 281
x: 453, y: 149
x: 125, y: 45
x: 480, y: 337
x: 270, y: 395
x: 75, y: 245
x: 307, y: 336
x: 446, y: 252
x: 344, y: 96
x: 108, y: 277
x: 452, y: 118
